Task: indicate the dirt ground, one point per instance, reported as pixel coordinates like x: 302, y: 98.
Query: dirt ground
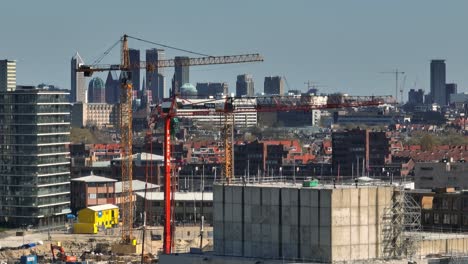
x: 98, y: 247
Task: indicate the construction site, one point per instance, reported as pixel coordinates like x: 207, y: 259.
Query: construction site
x: 255, y: 220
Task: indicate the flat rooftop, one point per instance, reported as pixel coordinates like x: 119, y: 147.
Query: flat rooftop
x: 298, y: 185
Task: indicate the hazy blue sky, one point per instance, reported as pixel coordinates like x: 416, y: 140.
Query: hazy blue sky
x: 341, y: 44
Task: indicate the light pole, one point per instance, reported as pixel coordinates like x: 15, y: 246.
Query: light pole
x: 178, y: 177
x: 194, y: 198
x: 296, y: 170
x: 281, y: 173
x: 214, y: 169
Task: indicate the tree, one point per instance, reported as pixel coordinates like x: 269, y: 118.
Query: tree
x: 427, y: 142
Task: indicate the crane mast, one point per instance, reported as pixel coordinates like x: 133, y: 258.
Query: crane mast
x: 126, y: 143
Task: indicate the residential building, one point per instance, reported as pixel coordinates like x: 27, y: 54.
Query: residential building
x: 140, y: 163
x: 416, y: 97
x: 90, y: 191
x: 438, y: 90
x: 442, y: 209
x: 214, y: 90
x: 134, y: 55
x: 78, y: 85
x: 155, y: 79
x: 188, y: 210
x: 7, y: 75
x: 428, y: 175
x: 249, y: 159
x: 273, y: 85
x: 34, y: 157
x: 95, y: 114
x: 359, y: 152
x: 181, y: 73
x: 96, y: 91
x: 450, y: 88
x: 112, y: 88
x: 245, y: 85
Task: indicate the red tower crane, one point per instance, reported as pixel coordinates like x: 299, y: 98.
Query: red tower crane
x: 168, y: 110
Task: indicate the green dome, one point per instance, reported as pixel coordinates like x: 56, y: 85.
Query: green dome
x: 188, y: 89
x: 96, y: 83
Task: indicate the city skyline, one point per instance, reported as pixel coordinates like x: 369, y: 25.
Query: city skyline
x: 323, y: 41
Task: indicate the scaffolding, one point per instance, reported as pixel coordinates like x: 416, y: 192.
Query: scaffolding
x: 399, y: 223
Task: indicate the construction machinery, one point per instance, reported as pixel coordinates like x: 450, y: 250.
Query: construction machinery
x: 126, y: 122
x: 60, y: 255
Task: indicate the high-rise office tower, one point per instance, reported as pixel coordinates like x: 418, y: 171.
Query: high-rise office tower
x: 273, y: 85
x: 135, y: 71
x: 78, y: 86
x: 245, y: 85
x: 156, y: 78
x: 34, y: 157
x: 205, y: 90
x: 450, y: 88
x: 181, y: 73
x: 7, y: 75
x: 96, y: 91
x: 416, y: 97
x: 438, y: 92
x: 112, y: 88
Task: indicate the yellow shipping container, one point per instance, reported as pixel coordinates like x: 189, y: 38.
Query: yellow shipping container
x: 92, y: 218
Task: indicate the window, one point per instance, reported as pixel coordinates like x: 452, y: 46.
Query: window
x: 427, y: 168
x: 446, y: 220
x: 92, y: 196
x: 465, y: 219
x: 454, y: 219
x: 436, y: 218
x: 427, y: 218
x: 465, y: 204
x: 456, y: 204
x: 445, y: 203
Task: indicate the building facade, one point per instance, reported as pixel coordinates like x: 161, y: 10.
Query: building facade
x: 273, y: 85
x: 95, y: 114
x: 155, y: 79
x: 245, y: 85
x: 359, y: 152
x: 416, y: 97
x: 78, y: 85
x: 438, y: 93
x: 181, y: 73
x: 34, y: 157
x: 207, y: 90
x: 245, y: 117
x: 450, y: 88
x: 7, y: 75
x: 112, y: 88
x: 428, y: 175
x: 90, y: 191
x: 96, y: 91
x: 134, y: 55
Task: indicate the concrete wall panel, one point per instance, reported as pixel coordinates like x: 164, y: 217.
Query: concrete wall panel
x: 342, y: 235
x: 218, y: 193
x: 274, y: 195
x: 325, y: 198
x: 266, y: 196
x: 325, y: 216
x: 341, y: 216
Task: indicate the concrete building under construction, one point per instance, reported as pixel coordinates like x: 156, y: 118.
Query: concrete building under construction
x: 317, y: 224
x: 274, y: 222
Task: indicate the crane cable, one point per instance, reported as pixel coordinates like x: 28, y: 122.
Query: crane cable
x: 99, y: 59
x: 169, y: 47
